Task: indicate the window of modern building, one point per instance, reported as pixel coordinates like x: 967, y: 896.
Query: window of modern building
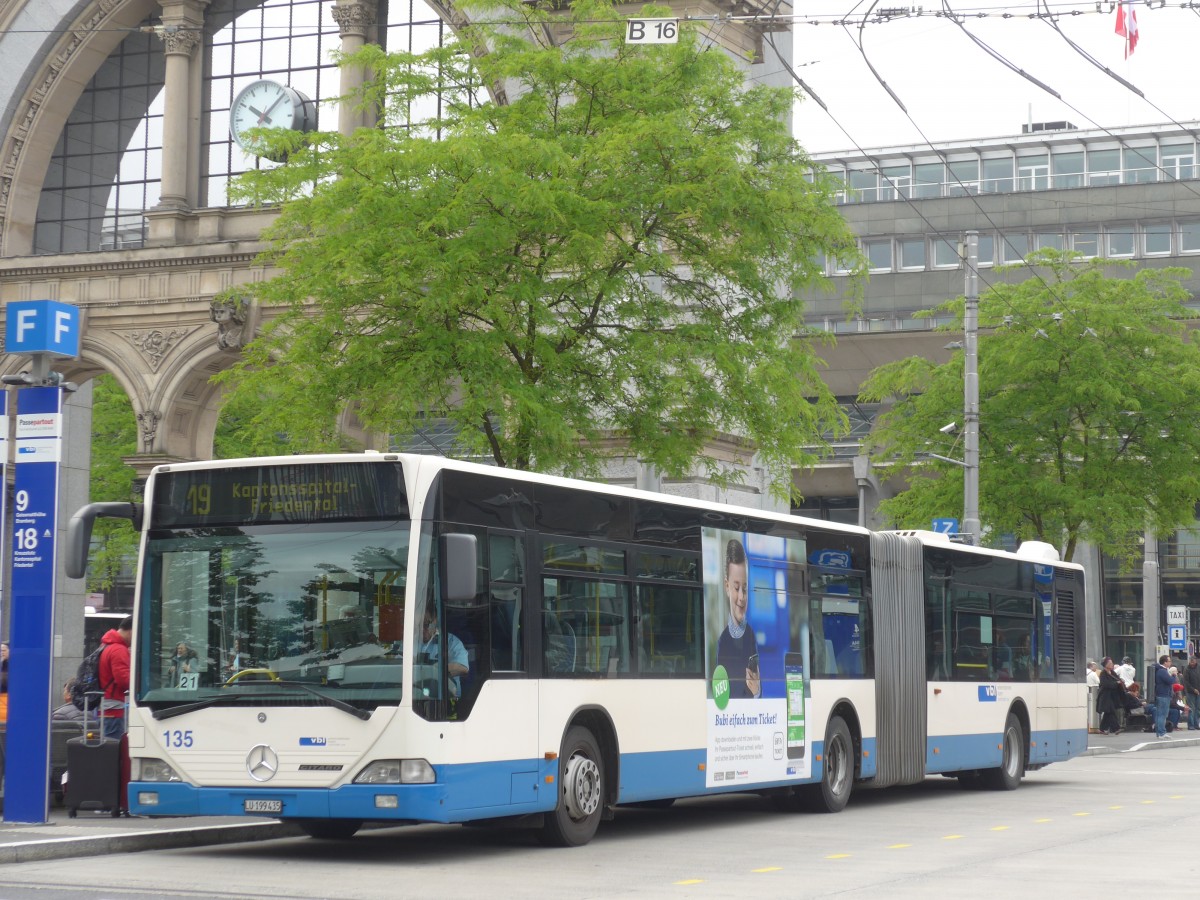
x: 831, y: 509
x: 987, y: 249
x: 1067, y: 169
x: 928, y: 180
x: 962, y: 177
x: 1049, y: 240
x: 1189, y: 237
x: 1033, y: 172
x: 896, y: 182
x: 1119, y: 241
x: 1086, y: 242
x: 1014, y: 247
x: 912, y: 253
x: 879, y: 254
x: 1178, y: 160
x: 945, y: 253
x: 1140, y: 164
x: 1104, y: 167
x: 997, y: 175
x: 1156, y: 239
x: 862, y: 185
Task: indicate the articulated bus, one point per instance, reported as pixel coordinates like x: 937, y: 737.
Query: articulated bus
x: 401, y: 639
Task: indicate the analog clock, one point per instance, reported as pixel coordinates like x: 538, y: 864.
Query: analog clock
x: 268, y: 104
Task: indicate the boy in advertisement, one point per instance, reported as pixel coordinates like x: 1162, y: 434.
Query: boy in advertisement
x: 736, y: 648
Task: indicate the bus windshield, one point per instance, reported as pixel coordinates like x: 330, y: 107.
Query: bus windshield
x: 280, y: 613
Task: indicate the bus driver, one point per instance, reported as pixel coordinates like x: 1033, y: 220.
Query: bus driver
x: 456, y: 653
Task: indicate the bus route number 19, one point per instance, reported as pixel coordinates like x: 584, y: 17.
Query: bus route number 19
x: 652, y: 31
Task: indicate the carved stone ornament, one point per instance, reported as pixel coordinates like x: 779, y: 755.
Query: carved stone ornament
x: 183, y: 41
x: 354, y: 18
x: 230, y: 315
x: 155, y: 344
x: 148, y: 424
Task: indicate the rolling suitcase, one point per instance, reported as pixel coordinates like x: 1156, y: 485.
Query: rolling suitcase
x: 93, y: 766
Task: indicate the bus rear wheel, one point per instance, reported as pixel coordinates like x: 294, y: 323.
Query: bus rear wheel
x: 330, y: 829
x: 837, y: 776
x: 580, y: 805
x: 1008, y: 774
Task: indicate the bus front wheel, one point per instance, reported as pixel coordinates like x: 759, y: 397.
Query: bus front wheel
x: 580, y: 805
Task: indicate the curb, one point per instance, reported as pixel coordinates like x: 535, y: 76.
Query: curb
x: 132, y: 842
x: 1151, y: 744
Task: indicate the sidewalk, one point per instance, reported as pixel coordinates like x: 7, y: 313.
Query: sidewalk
x: 94, y: 834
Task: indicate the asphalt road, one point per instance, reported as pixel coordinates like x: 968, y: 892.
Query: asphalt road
x: 1079, y: 829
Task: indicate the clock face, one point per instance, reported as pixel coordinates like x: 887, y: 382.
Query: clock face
x: 266, y: 104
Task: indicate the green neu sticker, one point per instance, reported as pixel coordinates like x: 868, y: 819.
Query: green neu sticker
x: 720, y: 687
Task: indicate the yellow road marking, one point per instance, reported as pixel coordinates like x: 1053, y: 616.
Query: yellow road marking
x: 769, y: 869
x: 1000, y: 828
x: 951, y: 837
x: 1176, y: 797
x: 1147, y: 802
x: 1041, y: 821
x: 1116, y: 807
x: 1081, y: 814
x: 899, y: 846
x: 692, y: 881
x: 838, y: 856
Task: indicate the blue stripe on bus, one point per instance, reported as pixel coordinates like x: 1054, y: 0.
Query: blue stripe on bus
x: 513, y: 787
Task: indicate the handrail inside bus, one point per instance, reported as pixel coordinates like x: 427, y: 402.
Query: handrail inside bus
x: 79, y: 531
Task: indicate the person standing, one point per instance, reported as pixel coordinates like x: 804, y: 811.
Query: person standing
x: 1164, y: 690
x: 114, y: 676
x: 1110, y: 698
x: 1093, y: 674
x: 1126, y: 671
x: 1191, y: 684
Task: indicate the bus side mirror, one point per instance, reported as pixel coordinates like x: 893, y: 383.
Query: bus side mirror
x: 458, y: 567
x: 79, y: 531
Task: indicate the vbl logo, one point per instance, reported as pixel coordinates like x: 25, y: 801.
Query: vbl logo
x: 987, y: 693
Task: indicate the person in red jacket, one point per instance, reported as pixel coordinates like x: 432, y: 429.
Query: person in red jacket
x: 114, y: 676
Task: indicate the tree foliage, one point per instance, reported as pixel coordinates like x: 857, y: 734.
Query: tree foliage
x: 614, y: 250
x: 1089, y: 389
x: 114, y: 436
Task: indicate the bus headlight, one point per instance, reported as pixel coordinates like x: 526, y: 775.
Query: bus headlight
x: 148, y: 769
x: 397, y: 771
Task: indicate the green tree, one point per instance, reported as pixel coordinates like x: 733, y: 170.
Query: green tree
x: 614, y: 251
x: 114, y: 435
x: 1089, y: 388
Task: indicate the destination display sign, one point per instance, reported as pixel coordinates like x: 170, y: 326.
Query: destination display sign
x: 261, y: 495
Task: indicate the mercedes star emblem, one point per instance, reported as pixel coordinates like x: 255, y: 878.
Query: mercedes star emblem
x: 262, y: 763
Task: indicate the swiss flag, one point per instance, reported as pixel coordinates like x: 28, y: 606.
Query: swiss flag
x: 1127, y: 27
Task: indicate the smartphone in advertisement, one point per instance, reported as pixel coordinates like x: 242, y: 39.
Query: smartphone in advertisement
x: 752, y: 663
x: 793, y: 674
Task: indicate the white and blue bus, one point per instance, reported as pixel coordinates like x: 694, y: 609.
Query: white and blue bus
x: 395, y: 638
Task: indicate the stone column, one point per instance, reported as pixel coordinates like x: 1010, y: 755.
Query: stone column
x: 356, y: 22
x: 182, y: 33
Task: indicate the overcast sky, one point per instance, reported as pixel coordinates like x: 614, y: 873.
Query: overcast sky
x: 954, y: 90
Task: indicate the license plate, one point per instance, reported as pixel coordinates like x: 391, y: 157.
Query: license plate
x: 263, y: 806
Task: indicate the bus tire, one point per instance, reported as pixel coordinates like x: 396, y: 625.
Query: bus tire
x: 1008, y: 774
x: 330, y: 829
x: 837, y: 776
x: 576, y: 815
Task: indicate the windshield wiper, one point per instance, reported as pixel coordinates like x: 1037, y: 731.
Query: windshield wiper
x: 327, y: 700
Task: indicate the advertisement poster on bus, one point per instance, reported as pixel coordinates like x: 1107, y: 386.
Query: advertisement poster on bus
x: 756, y: 658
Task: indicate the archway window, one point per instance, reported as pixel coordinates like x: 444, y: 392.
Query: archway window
x: 107, y: 166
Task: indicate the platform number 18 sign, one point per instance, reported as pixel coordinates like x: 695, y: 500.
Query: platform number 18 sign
x: 652, y: 31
